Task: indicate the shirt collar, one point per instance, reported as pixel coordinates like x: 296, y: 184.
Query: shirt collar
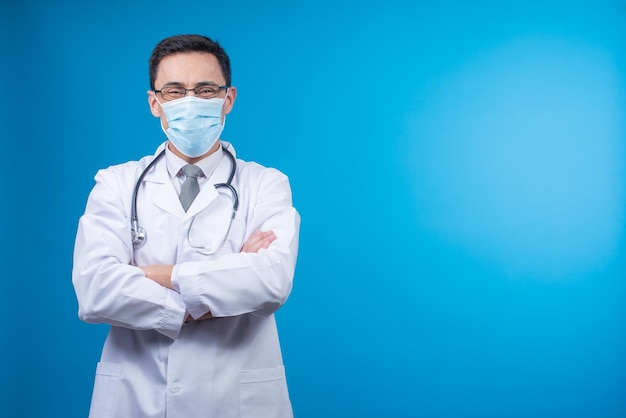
x: 208, y: 164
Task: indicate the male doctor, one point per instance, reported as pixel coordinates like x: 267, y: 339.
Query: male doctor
x: 190, y: 293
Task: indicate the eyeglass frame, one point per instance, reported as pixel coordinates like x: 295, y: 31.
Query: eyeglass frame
x: 219, y: 88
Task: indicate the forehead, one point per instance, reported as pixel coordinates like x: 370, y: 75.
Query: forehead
x: 189, y: 68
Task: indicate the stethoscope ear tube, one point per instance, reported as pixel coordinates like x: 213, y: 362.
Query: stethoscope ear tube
x: 229, y: 184
x: 234, y: 193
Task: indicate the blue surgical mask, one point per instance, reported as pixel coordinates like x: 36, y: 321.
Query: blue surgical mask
x: 193, y: 124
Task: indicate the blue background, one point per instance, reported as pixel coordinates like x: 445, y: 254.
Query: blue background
x: 459, y: 168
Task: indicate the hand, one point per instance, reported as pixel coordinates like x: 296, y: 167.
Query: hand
x: 257, y: 241
x: 207, y: 315
x: 160, y: 273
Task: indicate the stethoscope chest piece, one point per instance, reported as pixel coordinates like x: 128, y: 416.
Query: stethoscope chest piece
x: 138, y: 235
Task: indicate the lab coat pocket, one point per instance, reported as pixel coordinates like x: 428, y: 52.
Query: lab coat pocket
x: 105, y: 390
x: 263, y: 393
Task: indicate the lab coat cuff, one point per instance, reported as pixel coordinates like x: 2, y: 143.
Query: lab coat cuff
x: 173, y: 316
x: 174, y: 278
x: 190, y: 289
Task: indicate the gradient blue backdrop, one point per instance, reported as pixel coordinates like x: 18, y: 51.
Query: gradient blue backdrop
x: 459, y: 168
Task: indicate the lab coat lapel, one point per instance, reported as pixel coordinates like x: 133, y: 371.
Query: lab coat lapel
x: 165, y: 196
x: 207, y: 195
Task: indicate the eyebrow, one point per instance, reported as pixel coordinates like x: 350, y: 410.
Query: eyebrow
x: 179, y: 84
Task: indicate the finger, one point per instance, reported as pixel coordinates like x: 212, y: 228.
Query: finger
x: 254, y: 246
x: 252, y: 242
x: 270, y: 237
x: 258, y: 240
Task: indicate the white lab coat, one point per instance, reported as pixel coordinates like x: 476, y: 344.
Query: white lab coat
x: 152, y: 364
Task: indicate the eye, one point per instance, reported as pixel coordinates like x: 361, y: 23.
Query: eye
x: 206, y: 91
x: 174, y: 91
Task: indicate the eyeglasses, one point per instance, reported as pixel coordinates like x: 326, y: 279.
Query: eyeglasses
x: 207, y: 91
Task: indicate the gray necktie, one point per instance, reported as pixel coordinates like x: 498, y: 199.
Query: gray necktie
x: 190, y: 187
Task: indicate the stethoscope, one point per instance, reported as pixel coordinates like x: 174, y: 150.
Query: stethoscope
x: 138, y: 233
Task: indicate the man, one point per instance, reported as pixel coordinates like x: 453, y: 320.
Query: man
x: 189, y: 290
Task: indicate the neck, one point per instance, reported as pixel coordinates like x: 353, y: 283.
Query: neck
x: 193, y: 160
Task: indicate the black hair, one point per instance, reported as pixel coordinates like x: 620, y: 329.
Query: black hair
x: 188, y: 43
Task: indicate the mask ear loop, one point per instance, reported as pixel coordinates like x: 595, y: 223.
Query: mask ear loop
x: 163, y: 129
x: 160, y: 119
x: 224, y: 104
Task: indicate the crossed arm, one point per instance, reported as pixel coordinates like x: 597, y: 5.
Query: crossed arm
x: 162, y: 273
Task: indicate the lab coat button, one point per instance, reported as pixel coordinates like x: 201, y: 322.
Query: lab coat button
x: 175, y: 389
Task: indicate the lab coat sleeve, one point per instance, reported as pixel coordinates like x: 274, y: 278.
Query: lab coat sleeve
x: 259, y: 283
x: 110, y: 290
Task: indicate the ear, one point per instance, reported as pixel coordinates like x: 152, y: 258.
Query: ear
x: 155, y: 107
x: 229, y: 101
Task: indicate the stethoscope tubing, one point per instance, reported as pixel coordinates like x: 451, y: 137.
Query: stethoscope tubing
x: 138, y: 233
